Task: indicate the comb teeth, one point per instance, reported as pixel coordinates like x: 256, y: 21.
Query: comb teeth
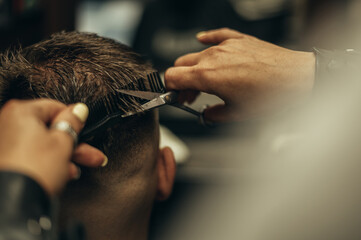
x: 157, y: 83
x: 109, y: 109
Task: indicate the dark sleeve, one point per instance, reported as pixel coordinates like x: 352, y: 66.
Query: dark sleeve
x: 27, y: 212
x: 25, y: 209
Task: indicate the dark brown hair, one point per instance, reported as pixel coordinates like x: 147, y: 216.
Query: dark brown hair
x: 82, y: 67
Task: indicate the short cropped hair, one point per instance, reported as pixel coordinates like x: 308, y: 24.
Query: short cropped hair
x: 82, y: 67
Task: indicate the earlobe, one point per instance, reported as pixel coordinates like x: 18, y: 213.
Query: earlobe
x: 166, y: 173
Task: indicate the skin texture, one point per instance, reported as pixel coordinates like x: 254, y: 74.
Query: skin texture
x: 29, y: 147
x: 253, y: 77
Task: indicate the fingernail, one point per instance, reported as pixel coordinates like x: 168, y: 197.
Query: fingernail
x: 77, y: 176
x: 105, y: 161
x: 81, y: 111
x: 201, y: 34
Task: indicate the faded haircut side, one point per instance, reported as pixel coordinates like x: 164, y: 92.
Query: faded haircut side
x: 82, y: 67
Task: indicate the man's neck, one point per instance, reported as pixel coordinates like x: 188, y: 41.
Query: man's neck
x: 107, y: 222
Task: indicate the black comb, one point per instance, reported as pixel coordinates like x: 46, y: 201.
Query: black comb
x: 108, y: 110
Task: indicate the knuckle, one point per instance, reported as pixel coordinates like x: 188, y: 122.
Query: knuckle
x: 230, y: 41
x: 60, y: 140
x: 215, y: 50
x: 225, y: 29
x: 202, y: 75
x: 54, y: 140
x: 210, y: 50
x: 195, y: 71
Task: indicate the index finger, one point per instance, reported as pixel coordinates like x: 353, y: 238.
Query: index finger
x: 183, y: 78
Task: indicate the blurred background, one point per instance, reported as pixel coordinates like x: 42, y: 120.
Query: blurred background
x: 162, y: 30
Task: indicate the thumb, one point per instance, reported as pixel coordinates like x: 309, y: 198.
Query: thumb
x: 221, y: 113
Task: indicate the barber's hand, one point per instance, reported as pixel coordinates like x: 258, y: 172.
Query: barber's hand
x: 253, y: 77
x: 28, y: 146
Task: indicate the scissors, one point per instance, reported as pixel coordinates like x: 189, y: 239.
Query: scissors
x: 161, y: 99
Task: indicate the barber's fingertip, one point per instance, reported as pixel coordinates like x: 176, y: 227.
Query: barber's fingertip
x: 81, y: 111
x: 105, y: 161
x: 201, y: 34
x: 75, y: 172
x: 169, y: 73
x: 206, y: 115
x: 169, y: 78
x: 77, y: 176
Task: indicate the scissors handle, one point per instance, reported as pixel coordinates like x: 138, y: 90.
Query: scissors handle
x: 160, y: 99
x: 187, y: 109
x: 170, y: 97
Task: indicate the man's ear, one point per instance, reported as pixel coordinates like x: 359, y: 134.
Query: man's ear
x: 166, y: 173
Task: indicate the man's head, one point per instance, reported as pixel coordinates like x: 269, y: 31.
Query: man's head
x: 78, y: 67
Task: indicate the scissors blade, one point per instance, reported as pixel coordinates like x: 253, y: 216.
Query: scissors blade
x: 154, y: 103
x: 157, y: 102
x: 140, y: 94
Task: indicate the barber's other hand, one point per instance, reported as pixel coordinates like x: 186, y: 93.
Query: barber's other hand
x: 253, y: 77
x: 28, y: 146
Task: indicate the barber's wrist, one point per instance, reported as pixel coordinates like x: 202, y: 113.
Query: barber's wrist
x: 305, y: 71
x: 333, y: 65
x: 310, y: 66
